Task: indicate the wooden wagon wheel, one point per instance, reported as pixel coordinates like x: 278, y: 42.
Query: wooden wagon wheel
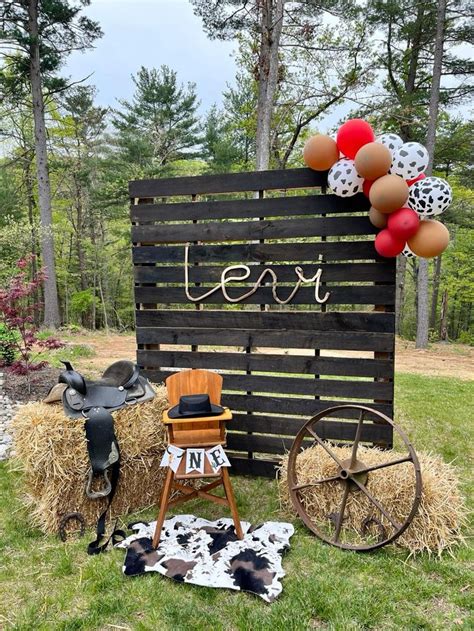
x: 351, y: 476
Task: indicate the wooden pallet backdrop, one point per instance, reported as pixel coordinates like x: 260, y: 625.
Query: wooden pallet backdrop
x: 281, y: 364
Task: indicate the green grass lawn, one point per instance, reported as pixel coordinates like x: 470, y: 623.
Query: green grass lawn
x: 45, y: 584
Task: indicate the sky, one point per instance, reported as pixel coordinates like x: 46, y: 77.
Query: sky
x: 152, y: 33
x: 156, y: 32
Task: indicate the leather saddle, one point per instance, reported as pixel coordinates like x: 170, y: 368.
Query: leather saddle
x: 120, y: 385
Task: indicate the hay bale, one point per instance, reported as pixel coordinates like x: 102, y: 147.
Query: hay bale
x: 51, y: 451
x: 441, y: 513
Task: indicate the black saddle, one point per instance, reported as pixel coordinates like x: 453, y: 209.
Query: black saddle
x: 120, y: 385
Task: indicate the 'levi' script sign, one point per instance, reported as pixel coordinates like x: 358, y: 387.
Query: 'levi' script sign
x: 234, y: 273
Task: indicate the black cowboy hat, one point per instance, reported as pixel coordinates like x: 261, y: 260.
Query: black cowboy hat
x: 194, y: 405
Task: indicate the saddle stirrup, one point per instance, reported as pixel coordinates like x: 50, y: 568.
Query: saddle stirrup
x: 93, y: 495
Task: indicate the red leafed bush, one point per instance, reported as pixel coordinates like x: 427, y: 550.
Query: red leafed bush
x: 19, y: 367
x: 51, y: 343
x: 18, y: 305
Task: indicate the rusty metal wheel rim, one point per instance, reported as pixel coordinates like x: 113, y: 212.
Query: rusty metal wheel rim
x: 350, y: 475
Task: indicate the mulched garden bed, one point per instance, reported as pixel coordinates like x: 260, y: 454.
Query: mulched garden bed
x: 16, y: 386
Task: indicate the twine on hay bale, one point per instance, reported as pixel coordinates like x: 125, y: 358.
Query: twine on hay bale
x: 51, y: 451
x: 441, y: 513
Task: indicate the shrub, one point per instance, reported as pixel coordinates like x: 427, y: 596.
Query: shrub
x: 8, y: 340
x: 18, y: 307
x: 466, y: 337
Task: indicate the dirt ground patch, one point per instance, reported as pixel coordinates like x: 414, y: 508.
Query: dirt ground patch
x: 443, y: 360
x: 17, y: 389
x: 440, y: 359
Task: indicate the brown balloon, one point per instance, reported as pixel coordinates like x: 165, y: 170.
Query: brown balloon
x: 388, y: 193
x: 377, y: 219
x: 320, y: 152
x: 431, y: 239
x: 373, y: 160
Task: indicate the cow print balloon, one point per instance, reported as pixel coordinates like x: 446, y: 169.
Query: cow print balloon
x: 393, y: 142
x: 343, y: 178
x: 430, y: 197
x: 410, y: 160
x: 408, y: 253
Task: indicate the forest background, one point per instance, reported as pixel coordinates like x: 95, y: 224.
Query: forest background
x: 66, y: 161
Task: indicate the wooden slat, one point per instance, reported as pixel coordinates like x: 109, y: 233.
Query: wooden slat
x: 299, y: 364
x: 356, y: 272
x: 274, y: 338
x: 258, y: 252
x: 326, y: 429
x: 300, y: 320
x: 322, y: 387
x: 242, y: 208
x: 347, y: 388
x: 246, y: 230
x: 342, y: 295
x: 228, y: 183
x: 254, y: 466
x: 278, y: 445
x: 291, y: 405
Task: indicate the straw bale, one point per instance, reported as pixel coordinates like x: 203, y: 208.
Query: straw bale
x: 441, y: 514
x: 51, y: 451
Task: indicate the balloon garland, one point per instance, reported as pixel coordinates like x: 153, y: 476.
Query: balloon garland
x: 391, y: 174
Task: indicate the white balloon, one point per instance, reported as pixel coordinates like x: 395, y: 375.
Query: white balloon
x: 408, y: 253
x: 410, y: 160
x: 343, y: 178
x: 391, y: 141
x: 430, y: 197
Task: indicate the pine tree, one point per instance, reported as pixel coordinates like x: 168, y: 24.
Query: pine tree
x: 39, y: 34
x: 160, y: 124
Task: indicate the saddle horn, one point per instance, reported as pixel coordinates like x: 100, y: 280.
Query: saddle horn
x: 72, y: 378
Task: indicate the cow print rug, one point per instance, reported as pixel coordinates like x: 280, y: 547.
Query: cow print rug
x: 208, y: 553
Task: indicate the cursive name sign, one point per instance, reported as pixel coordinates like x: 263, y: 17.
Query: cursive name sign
x: 239, y: 273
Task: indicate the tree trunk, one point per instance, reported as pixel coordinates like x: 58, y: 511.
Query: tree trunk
x: 434, y: 295
x: 79, y: 229
x: 400, y: 293
x: 422, y: 315
x: 271, y: 25
x: 27, y: 175
x: 443, y: 329
x: 422, y: 305
x: 51, y: 304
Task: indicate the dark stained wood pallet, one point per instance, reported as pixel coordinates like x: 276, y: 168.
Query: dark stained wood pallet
x: 259, y: 253
x: 244, y: 208
x: 356, y: 272
x: 269, y: 354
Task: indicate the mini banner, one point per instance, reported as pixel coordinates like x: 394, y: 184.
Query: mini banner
x: 216, y: 457
x: 195, y: 460
x: 172, y: 457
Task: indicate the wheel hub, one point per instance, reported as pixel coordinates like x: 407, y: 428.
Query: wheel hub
x: 350, y: 471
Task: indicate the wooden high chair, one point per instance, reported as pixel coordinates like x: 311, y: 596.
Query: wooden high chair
x: 196, y: 432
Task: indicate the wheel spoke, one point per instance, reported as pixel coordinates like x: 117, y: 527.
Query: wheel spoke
x: 298, y: 487
x: 357, y: 439
x: 341, y: 514
x: 386, y: 464
x: 325, y: 447
x: 376, y: 503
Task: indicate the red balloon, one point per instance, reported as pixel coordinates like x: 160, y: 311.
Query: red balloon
x: 366, y: 186
x: 352, y: 135
x: 420, y: 177
x: 403, y: 223
x: 387, y: 245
